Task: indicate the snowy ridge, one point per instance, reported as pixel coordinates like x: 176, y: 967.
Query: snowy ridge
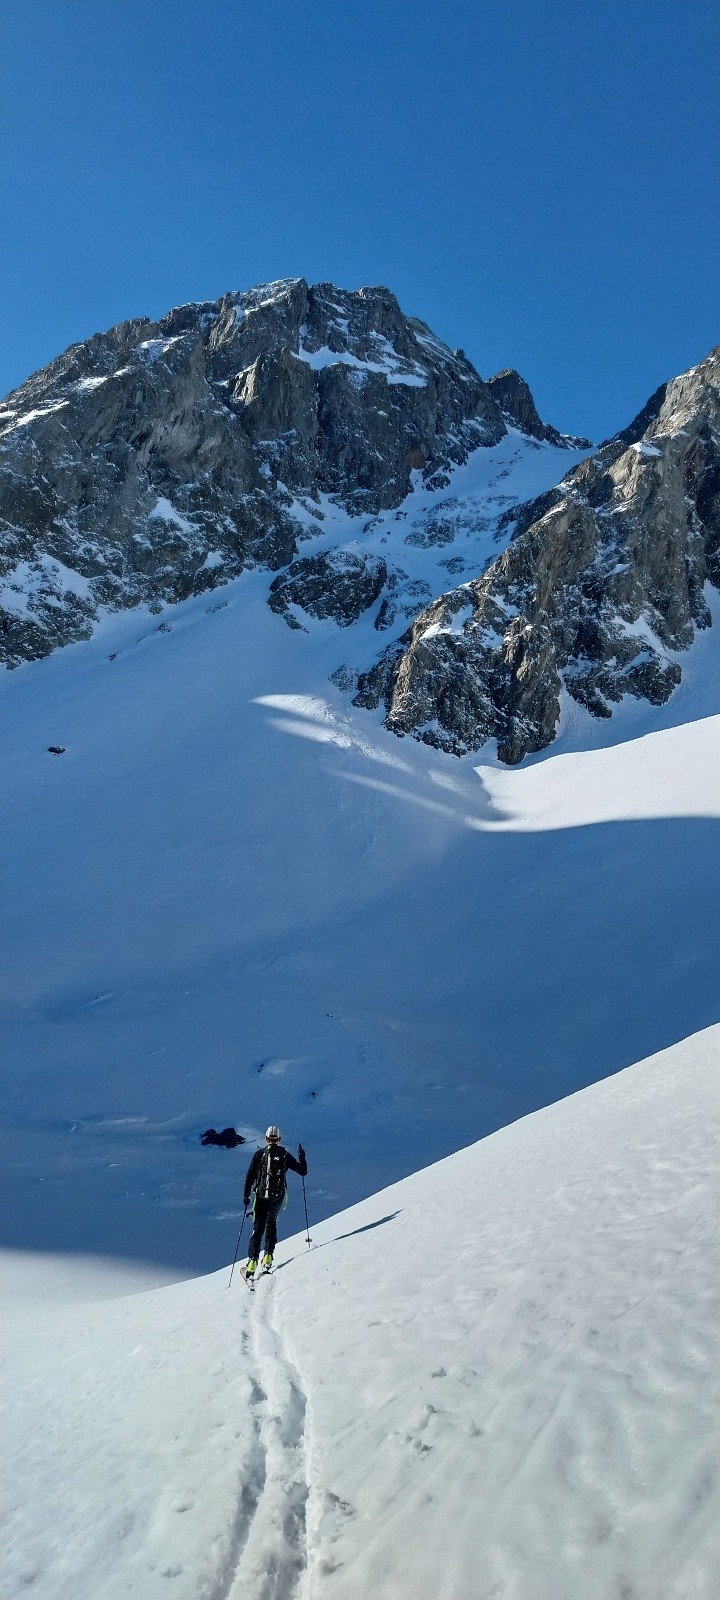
x: 522, y: 1338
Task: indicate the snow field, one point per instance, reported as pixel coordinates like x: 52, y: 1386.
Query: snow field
x: 495, y: 1378
x: 235, y: 898
x: 537, y: 1358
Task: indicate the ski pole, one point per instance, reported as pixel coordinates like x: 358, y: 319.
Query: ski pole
x: 237, y: 1247
x: 307, y: 1225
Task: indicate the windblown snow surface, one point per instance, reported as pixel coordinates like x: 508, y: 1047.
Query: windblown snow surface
x: 492, y: 1379
x: 236, y: 899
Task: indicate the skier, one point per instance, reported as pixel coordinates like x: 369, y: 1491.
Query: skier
x: 266, y: 1175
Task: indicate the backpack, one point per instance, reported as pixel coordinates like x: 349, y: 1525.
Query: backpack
x: 271, y: 1177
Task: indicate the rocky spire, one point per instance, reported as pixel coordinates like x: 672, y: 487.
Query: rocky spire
x: 516, y: 403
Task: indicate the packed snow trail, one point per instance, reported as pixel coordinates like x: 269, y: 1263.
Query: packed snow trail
x: 266, y: 1543
x: 496, y: 1378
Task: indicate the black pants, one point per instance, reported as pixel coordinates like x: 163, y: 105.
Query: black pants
x: 266, y: 1215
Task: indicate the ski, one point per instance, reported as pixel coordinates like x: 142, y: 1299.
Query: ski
x: 249, y: 1282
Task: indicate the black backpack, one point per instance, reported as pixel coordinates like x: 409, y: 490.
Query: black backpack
x: 271, y: 1177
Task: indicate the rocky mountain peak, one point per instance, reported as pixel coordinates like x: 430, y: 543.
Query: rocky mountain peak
x: 161, y: 457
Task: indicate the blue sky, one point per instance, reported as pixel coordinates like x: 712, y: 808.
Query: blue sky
x: 537, y: 179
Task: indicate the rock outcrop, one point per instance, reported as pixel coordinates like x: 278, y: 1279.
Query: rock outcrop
x: 600, y: 589
x: 519, y: 410
x: 161, y: 458
x: 336, y: 583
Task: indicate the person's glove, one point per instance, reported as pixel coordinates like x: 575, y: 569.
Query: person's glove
x: 301, y: 1153
x: 246, y: 1201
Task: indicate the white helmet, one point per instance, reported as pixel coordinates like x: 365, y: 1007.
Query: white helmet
x: 272, y: 1132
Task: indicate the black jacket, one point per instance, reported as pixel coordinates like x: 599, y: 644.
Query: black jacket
x: 253, y: 1171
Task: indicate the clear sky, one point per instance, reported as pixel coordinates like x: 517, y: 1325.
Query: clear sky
x: 537, y: 179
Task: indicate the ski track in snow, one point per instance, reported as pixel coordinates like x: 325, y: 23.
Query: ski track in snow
x: 267, y: 1544
x: 508, y: 1361
x: 252, y: 1484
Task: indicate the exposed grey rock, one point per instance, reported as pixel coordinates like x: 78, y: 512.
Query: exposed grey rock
x: 519, y: 410
x: 454, y: 564
x: 404, y: 597
x: 344, y: 678
x: 452, y: 519
x: 598, y: 592
x: 337, y: 584
x: 159, y: 459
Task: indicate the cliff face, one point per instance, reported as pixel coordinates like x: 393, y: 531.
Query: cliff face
x: 159, y: 459
x: 600, y: 589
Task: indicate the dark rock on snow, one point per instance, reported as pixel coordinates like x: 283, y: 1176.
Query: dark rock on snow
x: 337, y: 584
x: 228, y: 1139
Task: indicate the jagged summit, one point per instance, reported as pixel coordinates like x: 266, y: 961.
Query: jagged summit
x: 160, y: 458
x: 519, y: 410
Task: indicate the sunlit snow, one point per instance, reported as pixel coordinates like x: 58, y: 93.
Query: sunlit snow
x: 27, y: 417
x: 44, y: 577
x: 394, y: 367
x: 493, y: 1378
x: 164, y: 511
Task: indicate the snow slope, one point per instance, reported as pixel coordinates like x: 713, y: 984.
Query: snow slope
x: 494, y: 1378
x: 237, y: 899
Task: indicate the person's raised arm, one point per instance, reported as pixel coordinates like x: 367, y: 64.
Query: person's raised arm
x: 299, y: 1166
